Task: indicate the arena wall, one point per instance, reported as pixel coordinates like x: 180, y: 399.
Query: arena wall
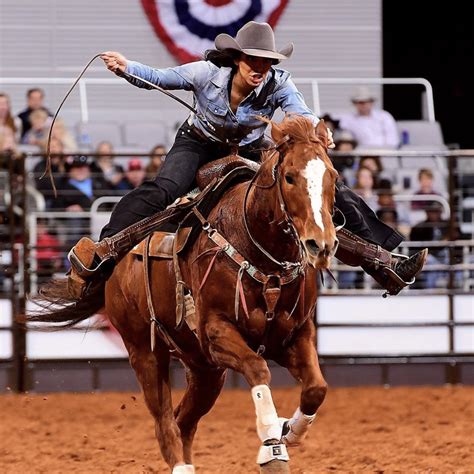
x: 57, y: 39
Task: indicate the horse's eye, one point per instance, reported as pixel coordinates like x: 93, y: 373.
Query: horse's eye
x: 289, y: 179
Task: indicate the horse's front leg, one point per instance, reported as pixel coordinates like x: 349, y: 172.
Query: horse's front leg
x: 301, y: 359
x: 227, y: 348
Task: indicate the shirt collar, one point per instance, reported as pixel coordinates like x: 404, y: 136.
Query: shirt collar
x: 222, y: 76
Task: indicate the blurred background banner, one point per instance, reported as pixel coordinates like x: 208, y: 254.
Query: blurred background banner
x: 189, y: 27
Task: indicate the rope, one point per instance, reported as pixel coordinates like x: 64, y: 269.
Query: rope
x: 126, y: 75
x: 48, y: 155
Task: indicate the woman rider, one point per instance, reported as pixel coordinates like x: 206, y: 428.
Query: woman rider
x: 234, y: 85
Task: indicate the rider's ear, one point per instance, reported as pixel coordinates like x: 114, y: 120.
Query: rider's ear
x: 322, y: 132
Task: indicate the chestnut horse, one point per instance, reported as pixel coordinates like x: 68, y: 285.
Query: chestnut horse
x: 253, y: 303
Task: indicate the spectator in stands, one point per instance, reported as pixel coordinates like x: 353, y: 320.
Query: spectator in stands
x: 389, y: 216
x: 372, y: 128
x: 34, y: 100
x: 435, y: 229
x: 134, y: 176
x: 364, y: 187
x: 345, y: 143
x: 373, y: 163
x: 6, y: 117
x: 38, y: 132
x: 61, y: 132
x: 426, y: 186
x: 104, y: 166
x: 157, y: 157
x: 399, y: 219
x: 77, y: 190
x: 331, y: 123
x: 381, y: 177
x: 58, y: 169
x: 7, y: 139
x: 48, y: 250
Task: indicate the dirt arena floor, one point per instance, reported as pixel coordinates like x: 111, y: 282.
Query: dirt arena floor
x: 358, y: 429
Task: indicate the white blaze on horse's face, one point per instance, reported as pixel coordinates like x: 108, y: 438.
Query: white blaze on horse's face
x: 314, y: 174
x: 319, y: 239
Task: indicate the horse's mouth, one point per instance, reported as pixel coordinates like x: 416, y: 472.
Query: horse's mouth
x: 317, y: 258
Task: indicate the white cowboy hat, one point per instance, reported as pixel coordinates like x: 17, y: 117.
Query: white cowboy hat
x: 254, y: 39
x: 362, y: 94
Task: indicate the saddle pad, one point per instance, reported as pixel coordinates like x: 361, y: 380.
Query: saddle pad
x: 161, y: 244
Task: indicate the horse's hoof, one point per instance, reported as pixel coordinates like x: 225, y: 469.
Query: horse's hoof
x: 183, y: 469
x: 275, y: 467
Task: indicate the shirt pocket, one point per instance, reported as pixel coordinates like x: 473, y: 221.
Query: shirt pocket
x: 266, y: 110
x: 216, y: 114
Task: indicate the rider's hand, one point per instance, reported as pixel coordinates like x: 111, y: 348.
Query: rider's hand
x: 114, y: 61
x: 331, y: 143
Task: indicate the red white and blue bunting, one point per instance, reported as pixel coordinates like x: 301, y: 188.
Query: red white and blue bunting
x: 189, y: 27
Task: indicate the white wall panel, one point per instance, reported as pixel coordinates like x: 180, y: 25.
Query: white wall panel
x: 383, y: 341
x: 375, y: 309
x: 464, y: 339
x: 57, y: 38
x: 6, y: 347
x: 464, y: 308
x: 5, y: 313
x: 73, y: 344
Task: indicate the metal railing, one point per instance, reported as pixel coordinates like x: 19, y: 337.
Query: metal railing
x: 23, y: 268
x: 84, y: 83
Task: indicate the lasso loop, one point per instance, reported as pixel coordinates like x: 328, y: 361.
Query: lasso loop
x: 48, y: 170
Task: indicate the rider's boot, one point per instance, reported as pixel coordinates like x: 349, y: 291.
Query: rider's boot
x: 93, y: 262
x: 392, y: 271
x: 89, y: 265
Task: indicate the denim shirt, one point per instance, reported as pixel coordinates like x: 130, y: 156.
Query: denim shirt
x: 209, y: 83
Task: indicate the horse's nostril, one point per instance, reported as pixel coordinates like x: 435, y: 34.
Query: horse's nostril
x: 312, y: 246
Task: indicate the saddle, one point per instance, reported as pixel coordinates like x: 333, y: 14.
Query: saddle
x: 226, y: 173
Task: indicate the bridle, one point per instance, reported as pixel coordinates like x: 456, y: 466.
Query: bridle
x: 279, y: 148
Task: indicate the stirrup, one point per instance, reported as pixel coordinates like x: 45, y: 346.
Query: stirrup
x: 80, y: 268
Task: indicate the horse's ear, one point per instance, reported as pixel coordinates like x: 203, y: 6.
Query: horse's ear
x: 277, y: 132
x: 322, y: 132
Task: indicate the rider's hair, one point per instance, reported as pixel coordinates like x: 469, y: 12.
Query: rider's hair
x: 224, y: 58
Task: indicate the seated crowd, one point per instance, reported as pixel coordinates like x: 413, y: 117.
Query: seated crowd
x: 82, y: 178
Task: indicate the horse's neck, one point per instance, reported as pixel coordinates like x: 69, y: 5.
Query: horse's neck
x: 268, y: 225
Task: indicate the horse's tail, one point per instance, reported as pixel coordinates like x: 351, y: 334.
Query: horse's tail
x: 56, y: 306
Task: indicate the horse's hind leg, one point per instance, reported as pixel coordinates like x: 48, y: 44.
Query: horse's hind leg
x: 204, y: 386
x: 301, y: 359
x: 153, y: 374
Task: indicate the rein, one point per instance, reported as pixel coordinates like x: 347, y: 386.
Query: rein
x: 286, y: 218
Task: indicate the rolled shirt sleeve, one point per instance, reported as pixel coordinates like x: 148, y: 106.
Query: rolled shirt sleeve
x: 290, y: 99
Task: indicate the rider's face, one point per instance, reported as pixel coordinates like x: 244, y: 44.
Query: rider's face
x: 253, y: 69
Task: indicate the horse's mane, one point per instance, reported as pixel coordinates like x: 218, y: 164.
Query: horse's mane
x: 299, y: 128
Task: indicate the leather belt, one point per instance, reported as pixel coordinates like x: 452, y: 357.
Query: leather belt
x: 193, y: 130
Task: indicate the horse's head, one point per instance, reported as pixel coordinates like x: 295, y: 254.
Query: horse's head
x: 307, y: 182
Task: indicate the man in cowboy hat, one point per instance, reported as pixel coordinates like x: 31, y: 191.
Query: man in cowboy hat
x: 236, y: 85
x: 372, y: 128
